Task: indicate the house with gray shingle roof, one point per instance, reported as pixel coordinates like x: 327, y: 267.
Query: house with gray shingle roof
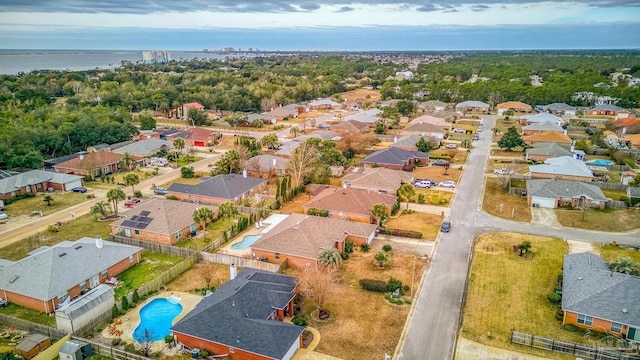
x: 53, y: 275
x: 559, y: 109
x: 219, y: 189
x: 633, y: 192
x: 539, y: 127
x: 409, y: 142
x: 34, y: 181
x: 145, y: 147
x: 472, y: 105
x: 553, y: 193
x: 379, y: 179
x: 609, y: 110
x: 396, y: 159
x: 541, y: 118
x: 243, y: 319
x: 544, y: 151
x: 563, y: 167
x: 266, y: 165
x: 594, y: 297
x: 363, y: 117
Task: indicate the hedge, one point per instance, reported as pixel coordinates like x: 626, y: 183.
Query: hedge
x: 374, y: 285
x: 318, y: 212
x: 403, y: 233
x: 441, y: 157
x: 18, y: 197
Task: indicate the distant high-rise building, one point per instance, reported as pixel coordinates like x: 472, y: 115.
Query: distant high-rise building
x: 205, y: 50
x: 152, y: 57
x: 250, y: 49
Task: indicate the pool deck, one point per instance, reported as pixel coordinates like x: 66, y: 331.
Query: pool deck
x: 267, y: 225
x: 131, y: 319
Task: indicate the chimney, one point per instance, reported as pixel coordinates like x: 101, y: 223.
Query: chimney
x: 232, y: 271
x: 244, y: 173
x: 81, y: 157
x: 344, y: 185
x: 565, y: 131
x: 274, y: 161
x: 99, y: 242
x: 395, y: 139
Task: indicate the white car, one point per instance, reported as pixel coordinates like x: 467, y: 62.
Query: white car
x: 459, y: 131
x: 423, y: 184
x: 502, y: 171
x: 3, y: 216
x: 451, y: 146
x: 448, y: 184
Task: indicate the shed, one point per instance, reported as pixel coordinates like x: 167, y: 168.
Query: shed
x: 77, y: 316
x: 32, y: 345
x: 75, y: 350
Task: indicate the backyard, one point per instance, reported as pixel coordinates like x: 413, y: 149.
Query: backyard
x: 427, y: 224
x: 60, y: 201
x: 214, y: 231
x: 612, y: 220
x: 496, y: 199
x: 193, y: 279
x: 152, y: 265
x: 28, y: 314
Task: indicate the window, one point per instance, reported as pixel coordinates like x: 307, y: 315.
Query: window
x: 231, y: 350
x: 83, y: 286
x: 585, y: 320
x: 616, y: 327
x: 104, y: 274
x: 131, y: 258
x: 277, y: 256
x: 137, y: 232
x: 62, y: 298
x: 178, y: 235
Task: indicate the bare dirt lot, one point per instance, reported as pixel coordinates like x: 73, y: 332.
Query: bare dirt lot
x: 362, y: 94
x: 438, y: 173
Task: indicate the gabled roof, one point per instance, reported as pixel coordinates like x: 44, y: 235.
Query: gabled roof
x: 544, y: 126
x: 589, y: 287
x: 252, y: 117
x: 15, y: 181
x: 304, y: 236
x: 236, y: 314
x: 543, y: 118
x: 625, y: 122
x: 432, y: 103
x: 363, y: 117
x: 160, y: 216
x: 380, y: 178
x: 609, y: 107
x: 52, y: 271
x: 228, y: 186
x: 632, y: 138
x: 409, y: 141
x: 423, y: 127
x: 91, y: 161
x: 514, y: 105
x: 549, y: 149
x: 349, y: 200
x: 193, y: 105
x: 472, y: 104
x: 145, y: 147
x: 372, y: 112
x: 558, y: 107
x: 556, y: 188
x: 324, y: 102
x: 440, y: 122
x: 563, y: 165
x: 265, y: 162
x: 394, y: 156
x: 350, y: 126
x: 200, y: 134
x: 322, y: 135
x: 548, y: 136
x: 282, y: 112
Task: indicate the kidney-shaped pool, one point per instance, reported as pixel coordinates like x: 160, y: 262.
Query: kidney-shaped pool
x: 156, y: 317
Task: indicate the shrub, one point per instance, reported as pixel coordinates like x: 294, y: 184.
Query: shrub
x: 125, y: 303
x: 364, y: 247
x: 344, y: 255
x: 18, y: 197
x: 348, y: 246
x: 186, y: 172
x: 373, y: 285
x: 136, y: 297
x: 393, y: 284
x: 571, y: 328
x: 115, y: 312
x: 130, y: 348
x: 554, y: 298
x: 387, y: 297
x: 299, y: 320
x: 172, y: 197
x: 406, y: 288
x: 399, y: 232
x: 137, y: 193
x: 318, y: 212
x: 420, y: 198
x: 407, y: 301
x: 116, y: 342
x: 386, y: 248
x: 168, y: 339
x: 204, y: 353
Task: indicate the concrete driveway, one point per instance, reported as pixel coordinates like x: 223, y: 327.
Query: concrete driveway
x: 543, y: 216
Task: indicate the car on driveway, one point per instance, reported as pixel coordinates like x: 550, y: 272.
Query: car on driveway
x: 448, y: 184
x: 458, y: 131
x: 476, y: 137
x: 3, y: 216
x: 451, y: 146
x: 502, y: 171
x: 423, y: 184
x: 445, y: 226
x: 160, y: 191
x: 131, y: 202
x: 439, y: 162
x: 79, y: 189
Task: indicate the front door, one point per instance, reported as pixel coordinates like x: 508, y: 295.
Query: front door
x: 633, y: 334
x: 127, y: 232
x: 94, y: 281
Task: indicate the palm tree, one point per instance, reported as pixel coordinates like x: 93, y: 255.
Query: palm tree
x: 127, y: 160
x: 115, y: 195
x: 624, y: 265
x: 101, y: 208
x: 524, y: 246
x: 48, y: 199
x: 203, y: 215
x: 496, y: 131
x: 227, y: 210
x: 466, y: 144
x: 269, y: 140
x: 132, y: 179
x: 406, y: 192
x: 382, y: 259
x: 295, y: 131
x: 379, y: 212
x: 178, y: 144
x: 329, y: 257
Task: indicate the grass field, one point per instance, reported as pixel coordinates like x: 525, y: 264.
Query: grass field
x: 508, y: 292
x: 192, y: 279
x: 614, y: 220
x: 613, y: 253
x: 437, y: 173
x: 433, y: 197
x: 152, y: 265
x: 60, y: 201
x: 214, y: 231
x: 495, y: 195
x: 28, y: 314
x: 427, y: 224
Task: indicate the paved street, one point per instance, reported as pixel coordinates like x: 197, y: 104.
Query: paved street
x: 433, y: 329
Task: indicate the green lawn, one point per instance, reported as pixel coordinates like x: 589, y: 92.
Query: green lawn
x: 433, y: 197
x: 152, y: 265
x: 28, y: 314
x: 214, y: 231
x: 60, y: 201
x: 180, y: 180
x: 613, y: 220
x: 182, y: 163
x: 613, y: 253
x: 496, y: 198
x: 86, y: 225
x: 508, y: 292
x: 614, y: 194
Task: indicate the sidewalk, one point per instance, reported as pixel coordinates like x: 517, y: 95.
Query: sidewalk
x: 430, y: 209
x: 471, y: 350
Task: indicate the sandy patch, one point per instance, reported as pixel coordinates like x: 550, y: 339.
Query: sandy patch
x: 581, y: 246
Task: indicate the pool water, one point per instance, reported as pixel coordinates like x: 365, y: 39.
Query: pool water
x: 157, y: 317
x: 600, y: 162
x: 246, y: 242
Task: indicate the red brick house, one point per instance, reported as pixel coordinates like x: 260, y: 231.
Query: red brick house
x: 610, y: 110
x: 92, y: 164
x: 219, y: 189
x: 195, y: 136
x: 35, y: 181
x: 51, y: 276
x: 182, y: 111
x: 243, y: 319
x: 396, y: 159
x: 349, y: 203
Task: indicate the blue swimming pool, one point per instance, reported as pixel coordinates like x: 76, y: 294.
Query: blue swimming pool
x: 157, y: 317
x: 600, y: 162
x: 246, y: 242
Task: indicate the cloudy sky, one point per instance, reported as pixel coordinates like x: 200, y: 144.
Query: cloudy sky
x: 319, y: 24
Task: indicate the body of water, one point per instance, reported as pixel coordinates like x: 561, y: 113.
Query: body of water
x: 246, y: 242
x: 157, y: 317
x: 16, y: 61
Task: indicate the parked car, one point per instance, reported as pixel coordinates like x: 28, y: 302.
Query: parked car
x: 459, y: 131
x: 476, y: 137
x: 3, y: 216
x: 445, y: 226
x: 79, y: 189
x: 433, y: 182
x: 323, y: 126
x: 502, y: 171
x: 1, y: 205
x: 160, y: 191
x: 156, y: 161
x: 480, y: 127
x: 131, y: 202
x: 448, y: 184
x: 423, y: 184
x: 440, y: 162
x: 451, y: 146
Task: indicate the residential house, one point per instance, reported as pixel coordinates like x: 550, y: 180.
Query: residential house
x: 396, y: 159
x: 410, y: 142
x: 564, y: 167
x: 547, y: 137
x: 363, y: 117
x: 55, y: 275
x: 515, y: 106
x: 611, y: 138
x: 158, y: 220
x: 281, y: 113
x: 632, y: 141
x: 349, y: 203
x: 287, y: 148
x: 219, y: 189
x: 610, y: 110
x: 266, y: 166
x: 433, y: 105
x: 48, y: 164
x: 404, y: 75
x: 553, y: 193
x: 541, y: 118
x: 541, y: 127
x: 243, y: 318
x: 351, y: 126
x: 324, y: 104
x: 34, y: 181
x: 194, y: 136
x: 267, y: 119
x: 626, y: 123
x: 561, y: 109
x: 182, y: 111
x: 472, y: 105
x: 424, y: 129
x: 588, y: 286
x: 428, y: 119
x: 390, y: 102
x: 93, y: 164
x: 544, y: 151
x: 379, y: 179
x: 298, y: 239
x: 143, y: 148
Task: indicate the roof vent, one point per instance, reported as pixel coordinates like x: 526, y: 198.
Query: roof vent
x: 14, y: 278
x: 233, y: 303
x: 78, y: 247
x: 580, y: 278
x: 625, y: 311
x: 63, y: 254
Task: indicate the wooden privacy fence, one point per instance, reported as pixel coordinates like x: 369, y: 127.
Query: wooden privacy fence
x: 32, y: 327
x: 567, y: 347
x: 614, y: 204
x: 110, y: 351
x: 165, y: 249
x: 227, y: 259
x: 167, y: 276
x: 608, y: 186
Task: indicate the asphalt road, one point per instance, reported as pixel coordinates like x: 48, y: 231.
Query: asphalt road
x: 433, y: 329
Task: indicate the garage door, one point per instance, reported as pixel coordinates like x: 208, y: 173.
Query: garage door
x: 543, y: 202
x: 198, y: 143
x: 73, y: 184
